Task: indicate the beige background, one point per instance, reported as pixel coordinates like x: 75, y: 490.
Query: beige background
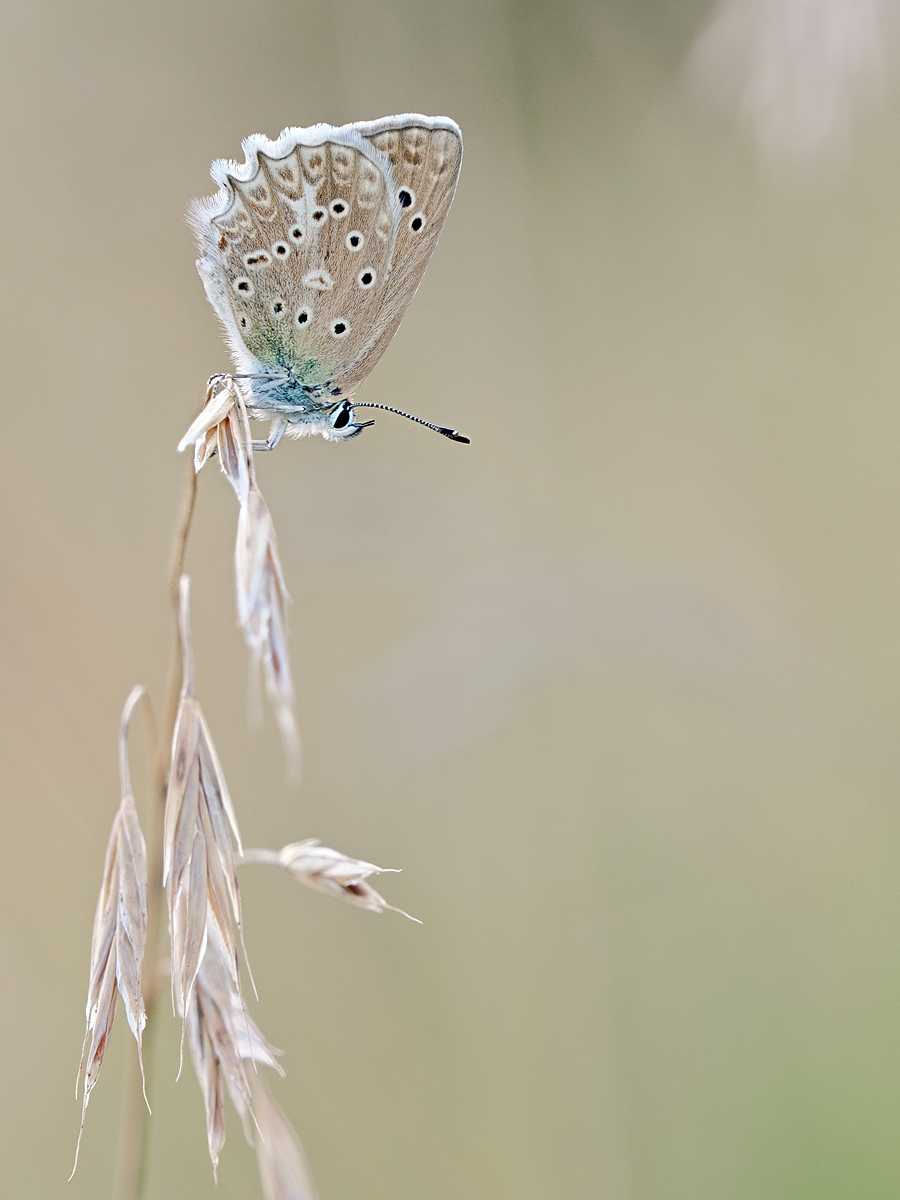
x: 616, y: 685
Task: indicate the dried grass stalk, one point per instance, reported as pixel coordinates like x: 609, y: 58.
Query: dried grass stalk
x: 262, y: 597
x: 120, y: 931
x: 283, y: 1170
x: 329, y: 871
x: 199, y: 840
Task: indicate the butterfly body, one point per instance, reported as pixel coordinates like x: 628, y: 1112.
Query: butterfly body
x: 311, y: 251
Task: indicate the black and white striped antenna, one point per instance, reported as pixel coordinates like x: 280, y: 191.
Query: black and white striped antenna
x: 453, y: 434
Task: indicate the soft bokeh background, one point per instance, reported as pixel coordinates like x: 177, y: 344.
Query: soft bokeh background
x: 618, y: 685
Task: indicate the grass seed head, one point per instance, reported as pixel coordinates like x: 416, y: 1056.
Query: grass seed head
x: 200, y: 838
x: 221, y: 1037
x: 120, y: 931
x: 262, y: 597
x: 329, y: 871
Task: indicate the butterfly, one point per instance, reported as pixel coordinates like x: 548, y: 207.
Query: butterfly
x: 310, y: 253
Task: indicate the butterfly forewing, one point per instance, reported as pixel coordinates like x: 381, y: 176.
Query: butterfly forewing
x: 425, y: 164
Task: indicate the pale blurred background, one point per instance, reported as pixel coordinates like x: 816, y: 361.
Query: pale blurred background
x: 618, y: 685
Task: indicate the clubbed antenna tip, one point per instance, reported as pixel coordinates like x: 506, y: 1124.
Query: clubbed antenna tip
x: 453, y: 434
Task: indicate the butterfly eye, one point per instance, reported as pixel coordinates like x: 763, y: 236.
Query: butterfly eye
x: 417, y: 222
x: 342, y: 417
x: 243, y: 286
x: 338, y: 208
x: 366, y: 278
x: 277, y: 308
x: 302, y: 316
x: 257, y: 259
x: 354, y: 241
x: 319, y: 215
x: 281, y: 249
x: 406, y: 197
x: 340, y: 329
x: 297, y: 233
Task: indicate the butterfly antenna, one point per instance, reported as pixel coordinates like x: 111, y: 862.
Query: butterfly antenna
x: 453, y: 434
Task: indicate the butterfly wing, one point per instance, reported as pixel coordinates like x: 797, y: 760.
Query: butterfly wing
x: 425, y: 154
x: 296, y: 250
x: 314, y: 246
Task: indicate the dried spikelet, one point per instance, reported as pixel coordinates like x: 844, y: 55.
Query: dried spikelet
x: 120, y: 930
x: 262, y: 600
x: 221, y: 396
x: 200, y: 836
x: 329, y: 871
x: 283, y: 1170
x: 221, y: 1037
x: 262, y: 597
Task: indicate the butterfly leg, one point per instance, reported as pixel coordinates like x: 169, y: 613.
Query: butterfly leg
x: 276, y: 430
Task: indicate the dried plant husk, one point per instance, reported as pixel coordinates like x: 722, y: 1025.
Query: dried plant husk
x: 120, y: 931
x: 221, y: 397
x: 221, y: 1037
x: 262, y: 600
x: 329, y: 871
x: 284, y: 1173
x: 262, y: 597
x: 200, y: 837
